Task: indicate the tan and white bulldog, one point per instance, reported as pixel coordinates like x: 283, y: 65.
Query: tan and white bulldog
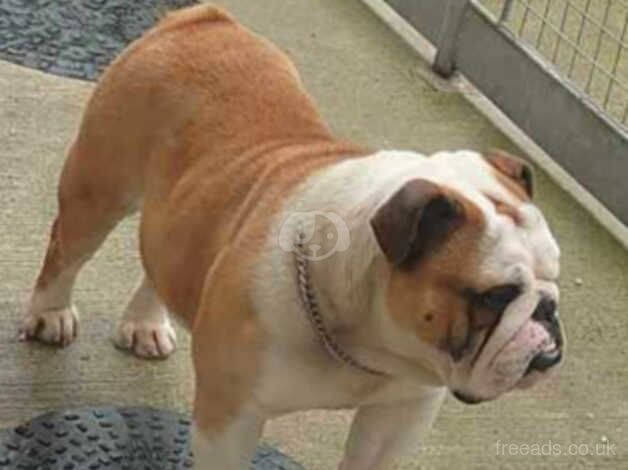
x: 310, y: 272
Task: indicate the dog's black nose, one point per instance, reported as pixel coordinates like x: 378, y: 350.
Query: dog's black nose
x: 546, y: 313
x: 545, y: 310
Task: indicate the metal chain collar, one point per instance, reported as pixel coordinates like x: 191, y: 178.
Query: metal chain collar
x: 310, y: 305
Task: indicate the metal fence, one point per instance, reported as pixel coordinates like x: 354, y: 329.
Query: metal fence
x: 557, y: 68
x: 585, y: 40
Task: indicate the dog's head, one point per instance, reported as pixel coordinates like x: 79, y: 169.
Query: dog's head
x: 471, y: 275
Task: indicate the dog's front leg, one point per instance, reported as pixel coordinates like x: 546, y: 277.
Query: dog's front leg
x: 380, y: 433
x: 231, y: 448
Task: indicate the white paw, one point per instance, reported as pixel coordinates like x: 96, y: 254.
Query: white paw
x: 147, y: 339
x: 56, y: 326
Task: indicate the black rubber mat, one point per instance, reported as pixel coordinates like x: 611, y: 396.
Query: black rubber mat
x: 75, y: 38
x: 111, y: 438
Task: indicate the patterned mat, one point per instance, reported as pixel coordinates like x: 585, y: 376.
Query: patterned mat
x: 75, y: 38
x: 111, y: 438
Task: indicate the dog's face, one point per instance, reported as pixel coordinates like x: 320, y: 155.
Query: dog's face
x: 472, y: 276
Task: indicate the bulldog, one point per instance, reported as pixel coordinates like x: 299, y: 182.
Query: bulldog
x: 310, y: 272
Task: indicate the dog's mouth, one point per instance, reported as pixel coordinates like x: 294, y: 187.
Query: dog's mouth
x: 538, y: 340
x: 466, y: 398
x: 521, y: 362
x: 534, y: 346
x: 545, y: 359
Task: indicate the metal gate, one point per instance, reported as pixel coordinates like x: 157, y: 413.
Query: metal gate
x: 557, y: 68
x: 584, y: 40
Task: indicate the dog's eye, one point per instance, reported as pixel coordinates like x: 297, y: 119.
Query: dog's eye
x: 498, y: 298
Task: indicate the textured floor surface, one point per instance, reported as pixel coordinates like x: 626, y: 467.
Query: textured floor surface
x: 74, y: 38
x: 369, y: 86
x: 132, y: 438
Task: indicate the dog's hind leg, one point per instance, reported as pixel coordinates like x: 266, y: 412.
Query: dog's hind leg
x: 93, y: 198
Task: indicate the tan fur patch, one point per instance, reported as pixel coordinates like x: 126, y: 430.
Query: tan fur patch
x: 506, y: 209
x: 513, y: 187
x: 227, y: 342
x: 430, y: 300
x: 513, y: 173
x: 211, y: 124
x: 195, y: 14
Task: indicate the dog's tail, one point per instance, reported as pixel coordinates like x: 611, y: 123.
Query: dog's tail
x: 196, y: 14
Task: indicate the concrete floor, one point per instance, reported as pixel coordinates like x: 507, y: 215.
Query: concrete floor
x: 369, y: 85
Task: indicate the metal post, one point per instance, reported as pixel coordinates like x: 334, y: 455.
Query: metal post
x: 507, y: 11
x: 445, y: 62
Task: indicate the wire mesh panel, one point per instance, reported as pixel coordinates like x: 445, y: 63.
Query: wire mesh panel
x: 557, y: 68
x: 586, y: 40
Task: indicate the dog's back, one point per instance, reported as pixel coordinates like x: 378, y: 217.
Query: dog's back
x: 191, y: 122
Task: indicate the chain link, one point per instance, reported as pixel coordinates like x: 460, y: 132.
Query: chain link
x: 310, y: 305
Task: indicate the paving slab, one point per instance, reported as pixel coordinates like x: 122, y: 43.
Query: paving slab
x: 369, y: 85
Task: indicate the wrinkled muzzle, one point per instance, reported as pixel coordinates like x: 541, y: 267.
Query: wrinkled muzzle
x: 527, y: 343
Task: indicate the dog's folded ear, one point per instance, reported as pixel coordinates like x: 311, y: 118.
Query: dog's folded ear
x: 512, y: 167
x: 415, y: 220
